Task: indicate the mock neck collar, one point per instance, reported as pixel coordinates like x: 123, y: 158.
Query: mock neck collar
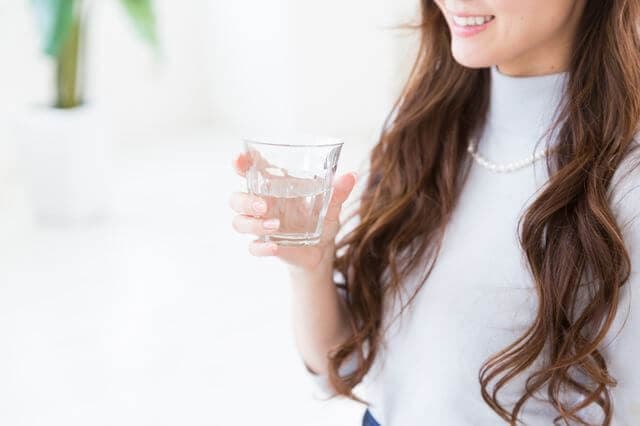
x: 521, y: 109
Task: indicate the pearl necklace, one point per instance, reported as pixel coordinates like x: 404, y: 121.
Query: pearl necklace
x: 509, y: 167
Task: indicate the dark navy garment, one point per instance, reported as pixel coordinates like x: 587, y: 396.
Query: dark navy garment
x: 368, y: 420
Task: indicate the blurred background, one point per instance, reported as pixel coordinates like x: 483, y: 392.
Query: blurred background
x: 125, y: 295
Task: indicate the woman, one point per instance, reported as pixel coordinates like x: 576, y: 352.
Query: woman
x: 481, y: 286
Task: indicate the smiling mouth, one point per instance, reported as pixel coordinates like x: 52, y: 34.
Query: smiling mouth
x: 471, y: 21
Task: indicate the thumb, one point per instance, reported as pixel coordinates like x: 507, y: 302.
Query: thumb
x: 342, y: 187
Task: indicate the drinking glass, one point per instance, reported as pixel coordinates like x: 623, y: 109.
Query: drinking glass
x: 294, y: 176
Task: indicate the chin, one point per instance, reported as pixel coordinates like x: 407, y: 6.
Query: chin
x: 472, y: 59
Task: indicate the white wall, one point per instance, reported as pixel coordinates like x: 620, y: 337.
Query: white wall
x: 141, y: 89
x: 329, y: 67
x: 250, y: 64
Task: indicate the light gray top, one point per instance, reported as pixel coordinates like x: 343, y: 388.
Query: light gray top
x: 480, y: 296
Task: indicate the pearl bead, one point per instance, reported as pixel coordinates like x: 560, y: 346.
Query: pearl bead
x: 508, y: 167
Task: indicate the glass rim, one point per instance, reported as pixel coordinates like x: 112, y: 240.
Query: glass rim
x: 319, y: 145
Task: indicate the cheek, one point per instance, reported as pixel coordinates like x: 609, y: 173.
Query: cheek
x: 517, y: 20
x: 528, y: 31
x: 531, y: 21
x: 515, y: 31
x: 524, y: 22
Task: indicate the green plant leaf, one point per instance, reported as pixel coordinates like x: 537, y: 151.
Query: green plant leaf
x: 143, y: 16
x: 54, y: 19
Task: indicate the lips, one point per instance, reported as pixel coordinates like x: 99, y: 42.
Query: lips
x: 453, y: 13
x: 471, y: 20
x: 469, y: 24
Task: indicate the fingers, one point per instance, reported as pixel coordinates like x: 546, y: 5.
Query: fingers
x: 241, y: 163
x: 342, y: 187
x: 251, y: 225
x: 248, y: 204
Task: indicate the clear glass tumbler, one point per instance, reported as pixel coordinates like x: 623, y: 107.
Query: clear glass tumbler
x: 294, y: 176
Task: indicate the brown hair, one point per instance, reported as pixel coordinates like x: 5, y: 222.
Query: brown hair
x: 568, y: 234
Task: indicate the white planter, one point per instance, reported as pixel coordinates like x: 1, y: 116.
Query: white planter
x: 65, y: 158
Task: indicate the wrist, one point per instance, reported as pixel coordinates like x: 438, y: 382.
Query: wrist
x: 321, y: 273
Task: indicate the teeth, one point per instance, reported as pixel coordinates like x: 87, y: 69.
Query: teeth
x: 466, y: 21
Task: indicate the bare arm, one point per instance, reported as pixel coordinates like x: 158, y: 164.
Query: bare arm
x: 319, y: 316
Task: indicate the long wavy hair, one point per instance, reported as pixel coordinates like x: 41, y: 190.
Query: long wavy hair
x: 569, y: 234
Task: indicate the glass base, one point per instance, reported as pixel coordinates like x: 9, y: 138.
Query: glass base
x: 290, y: 240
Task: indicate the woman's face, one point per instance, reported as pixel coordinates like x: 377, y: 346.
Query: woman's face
x: 520, y: 36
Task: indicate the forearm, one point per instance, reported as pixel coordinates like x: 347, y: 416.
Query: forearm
x: 319, y: 316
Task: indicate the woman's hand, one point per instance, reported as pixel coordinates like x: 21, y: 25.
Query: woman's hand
x: 250, y: 219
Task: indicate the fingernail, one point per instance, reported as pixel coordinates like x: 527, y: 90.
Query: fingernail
x: 271, y: 223
x: 259, y: 207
